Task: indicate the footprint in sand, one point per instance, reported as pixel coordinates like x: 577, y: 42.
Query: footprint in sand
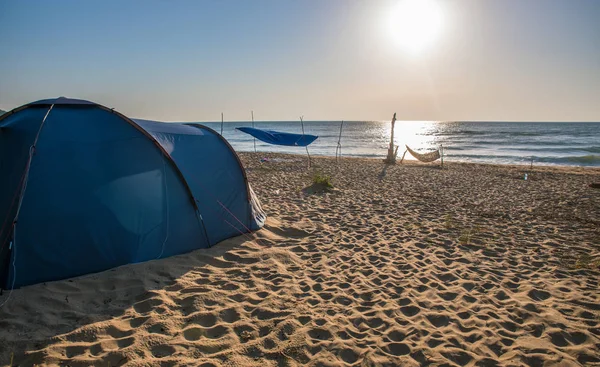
x: 396, y: 336
x: 203, y: 319
x: 147, y: 305
x: 117, y: 333
x: 158, y: 329
x: 138, y: 321
x: 410, y: 311
x: 345, y: 301
x: 266, y: 314
x: 75, y: 350
x: 125, y: 342
x: 195, y: 333
x: 229, y: 315
x: 538, y: 295
x: 458, y: 356
x: 448, y: 296
x: 438, y: 320
x: 269, y: 343
x: 563, y: 339
x: 97, y: 349
x: 397, y: 349
x: 349, y: 355
x: 161, y: 351
x: 320, y: 334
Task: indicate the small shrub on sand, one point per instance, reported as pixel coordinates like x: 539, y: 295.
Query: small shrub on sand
x: 323, y: 180
x: 573, y: 260
x: 465, y: 238
x: 321, y: 183
x: 450, y: 222
x: 586, y: 261
x: 583, y: 261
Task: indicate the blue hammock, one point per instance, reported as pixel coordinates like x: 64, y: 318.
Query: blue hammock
x: 279, y: 138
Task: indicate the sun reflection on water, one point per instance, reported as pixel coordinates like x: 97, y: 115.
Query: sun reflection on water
x: 418, y: 135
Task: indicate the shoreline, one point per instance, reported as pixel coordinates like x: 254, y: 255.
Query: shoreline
x: 540, y: 167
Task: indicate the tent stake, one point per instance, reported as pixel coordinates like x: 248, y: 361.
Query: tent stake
x: 307, y: 153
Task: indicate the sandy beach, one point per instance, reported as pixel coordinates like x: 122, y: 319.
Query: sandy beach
x: 405, y: 265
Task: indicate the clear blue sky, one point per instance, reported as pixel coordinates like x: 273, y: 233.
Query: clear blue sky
x: 325, y: 59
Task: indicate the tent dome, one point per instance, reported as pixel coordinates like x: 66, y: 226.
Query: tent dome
x: 85, y: 189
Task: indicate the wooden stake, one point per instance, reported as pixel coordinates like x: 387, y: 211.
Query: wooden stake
x: 402, y: 160
x: 390, y: 157
x: 307, y: 153
x: 339, y: 144
x: 253, y: 127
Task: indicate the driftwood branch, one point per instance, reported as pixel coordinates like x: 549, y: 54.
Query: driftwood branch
x: 391, y: 156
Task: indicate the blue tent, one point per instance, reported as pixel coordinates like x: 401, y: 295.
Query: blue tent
x: 85, y: 189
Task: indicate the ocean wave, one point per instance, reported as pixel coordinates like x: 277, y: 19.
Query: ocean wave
x: 590, y: 159
x: 499, y: 134
x: 546, y: 149
x: 591, y: 149
x: 502, y: 142
x: 457, y: 133
x: 586, y: 160
x: 486, y: 157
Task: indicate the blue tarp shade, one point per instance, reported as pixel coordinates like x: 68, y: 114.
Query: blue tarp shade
x: 279, y: 138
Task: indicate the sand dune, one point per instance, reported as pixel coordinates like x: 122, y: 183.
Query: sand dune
x: 400, y: 266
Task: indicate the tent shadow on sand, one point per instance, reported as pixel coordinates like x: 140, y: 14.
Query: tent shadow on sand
x: 37, y: 316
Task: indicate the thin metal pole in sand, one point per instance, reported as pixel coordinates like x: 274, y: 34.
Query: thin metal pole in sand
x: 339, y: 144
x: 253, y: 128
x: 308, y: 154
x: 221, y: 123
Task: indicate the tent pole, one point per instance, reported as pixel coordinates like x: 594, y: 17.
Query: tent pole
x: 307, y: 153
x: 253, y: 127
x: 221, y: 123
x: 21, y: 196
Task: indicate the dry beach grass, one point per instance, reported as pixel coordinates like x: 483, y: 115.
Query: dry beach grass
x: 406, y: 265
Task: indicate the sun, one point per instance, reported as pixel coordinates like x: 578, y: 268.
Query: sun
x: 415, y: 24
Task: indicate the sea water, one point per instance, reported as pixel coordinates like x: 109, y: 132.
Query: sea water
x: 574, y: 144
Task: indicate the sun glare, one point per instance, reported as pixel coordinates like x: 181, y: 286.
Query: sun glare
x: 415, y: 24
